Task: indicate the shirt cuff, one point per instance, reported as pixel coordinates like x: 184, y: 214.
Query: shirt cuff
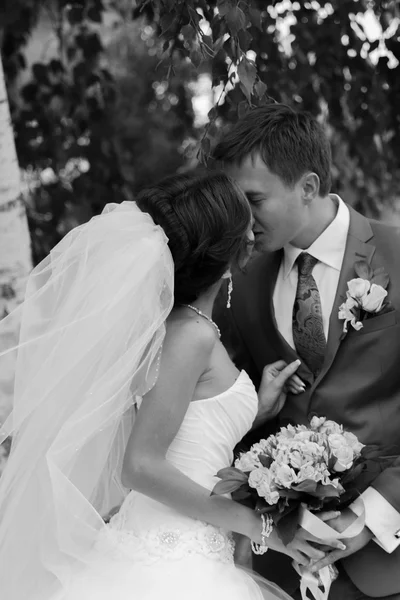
x: 380, y: 517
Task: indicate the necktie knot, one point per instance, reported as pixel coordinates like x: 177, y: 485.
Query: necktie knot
x: 306, y: 263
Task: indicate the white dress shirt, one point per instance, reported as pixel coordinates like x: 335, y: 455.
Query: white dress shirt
x: 329, y: 248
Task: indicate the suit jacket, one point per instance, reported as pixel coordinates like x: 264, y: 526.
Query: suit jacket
x: 358, y: 386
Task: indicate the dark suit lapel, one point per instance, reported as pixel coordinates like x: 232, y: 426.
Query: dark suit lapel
x: 360, y: 233
x: 268, y: 320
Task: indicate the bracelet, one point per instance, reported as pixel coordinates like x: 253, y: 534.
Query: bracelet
x: 267, y: 527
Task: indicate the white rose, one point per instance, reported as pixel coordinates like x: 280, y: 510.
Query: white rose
x: 263, y: 446
x: 267, y: 489
x: 258, y: 476
x: 322, y: 474
x: 285, y: 476
x: 336, y: 440
x: 304, y: 435
x: 270, y: 496
x: 344, y: 457
x: 311, y: 451
x: 331, y: 427
x: 353, y: 442
x: 345, y: 313
x: 286, y: 433
x: 374, y: 300
x: 247, y: 462
x: 307, y: 472
x: 358, y: 288
x: 316, y: 422
x: 297, y: 459
x: 282, y: 457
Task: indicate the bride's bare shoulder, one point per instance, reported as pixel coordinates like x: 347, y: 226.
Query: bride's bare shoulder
x: 189, y: 333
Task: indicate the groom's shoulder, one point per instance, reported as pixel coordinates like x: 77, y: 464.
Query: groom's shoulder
x: 386, y: 235
x: 382, y: 228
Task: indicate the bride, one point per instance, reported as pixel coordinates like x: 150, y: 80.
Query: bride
x: 124, y: 395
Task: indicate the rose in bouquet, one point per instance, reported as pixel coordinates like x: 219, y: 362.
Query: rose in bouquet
x: 312, y: 466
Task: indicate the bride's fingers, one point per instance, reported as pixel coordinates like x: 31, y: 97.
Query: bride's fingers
x: 275, y: 367
x: 297, y: 381
x: 294, y: 389
x: 286, y: 373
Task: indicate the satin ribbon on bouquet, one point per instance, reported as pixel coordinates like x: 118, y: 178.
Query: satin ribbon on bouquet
x: 324, y: 578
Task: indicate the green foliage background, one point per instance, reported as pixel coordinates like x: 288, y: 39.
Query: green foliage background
x: 104, y: 117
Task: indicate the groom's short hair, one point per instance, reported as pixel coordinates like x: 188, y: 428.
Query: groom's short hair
x: 290, y: 143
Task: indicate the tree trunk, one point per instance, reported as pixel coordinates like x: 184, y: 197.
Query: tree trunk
x: 15, y: 249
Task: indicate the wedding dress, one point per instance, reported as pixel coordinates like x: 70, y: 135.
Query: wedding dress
x: 150, y: 551
x: 91, y: 332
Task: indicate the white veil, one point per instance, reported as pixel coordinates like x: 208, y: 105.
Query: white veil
x: 92, y: 326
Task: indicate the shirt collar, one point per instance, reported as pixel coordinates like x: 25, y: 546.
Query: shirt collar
x: 329, y: 247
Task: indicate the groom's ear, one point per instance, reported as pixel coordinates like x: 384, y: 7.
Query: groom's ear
x: 310, y: 187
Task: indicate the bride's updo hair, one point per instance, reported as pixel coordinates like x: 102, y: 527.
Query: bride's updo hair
x: 206, y: 219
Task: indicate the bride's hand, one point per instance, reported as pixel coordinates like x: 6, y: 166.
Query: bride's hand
x: 277, y: 378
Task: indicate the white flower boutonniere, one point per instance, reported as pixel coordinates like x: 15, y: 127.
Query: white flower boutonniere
x: 365, y: 295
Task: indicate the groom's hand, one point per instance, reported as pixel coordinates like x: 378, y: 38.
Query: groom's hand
x: 305, y: 548
x: 353, y: 544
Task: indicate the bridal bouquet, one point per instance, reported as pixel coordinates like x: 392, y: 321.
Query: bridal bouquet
x: 298, y: 467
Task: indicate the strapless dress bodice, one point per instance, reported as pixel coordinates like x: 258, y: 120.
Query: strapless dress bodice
x: 204, y: 444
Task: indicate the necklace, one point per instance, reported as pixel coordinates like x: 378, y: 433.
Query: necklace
x: 201, y: 314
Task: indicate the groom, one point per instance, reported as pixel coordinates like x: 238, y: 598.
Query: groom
x: 286, y: 306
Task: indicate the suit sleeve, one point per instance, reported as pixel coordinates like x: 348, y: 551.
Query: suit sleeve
x: 380, y: 517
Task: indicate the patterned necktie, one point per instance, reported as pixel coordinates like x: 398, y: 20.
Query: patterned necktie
x: 308, y: 330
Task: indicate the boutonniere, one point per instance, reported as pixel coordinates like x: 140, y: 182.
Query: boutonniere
x: 365, y: 295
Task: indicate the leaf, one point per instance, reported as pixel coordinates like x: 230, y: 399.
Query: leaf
x: 247, y: 73
x: 363, y: 269
x: 260, y: 88
x: 286, y: 526
x: 232, y: 472
x: 166, y: 22
x: 207, y: 41
x: 188, y: 32
x: 255, y: 18
x: 236, y: 20
x: 262, y: 506
x: 353, y: 473
x: 380, y: 277
x: 224, y: 7
x: 231, y: 49
x: 212, y: 114
x: 196, y: 58
x: 327, y: 491
x: 245, y: 38
x: 308, y: 486
x: 265, y: 460
x: 241, y: 494
x: 291, y: 494
x: 226, y: 486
